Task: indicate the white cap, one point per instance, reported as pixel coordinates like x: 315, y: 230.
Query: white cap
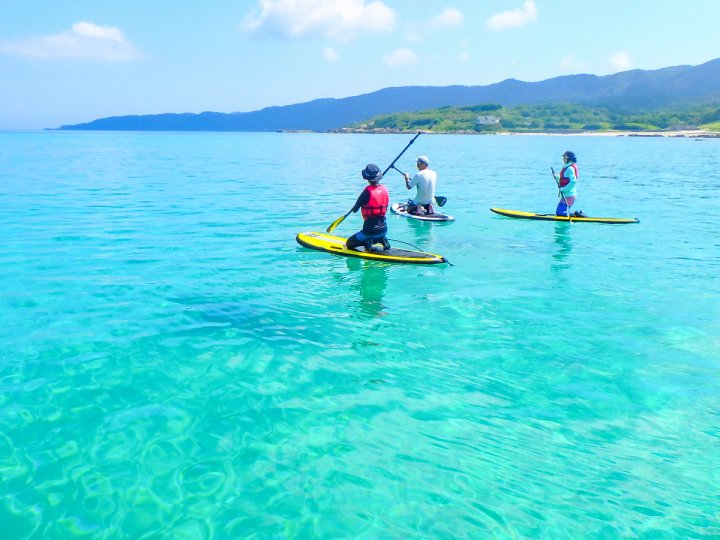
x: 425, y: 160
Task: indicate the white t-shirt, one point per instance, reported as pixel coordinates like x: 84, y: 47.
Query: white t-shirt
x: 425, y: 182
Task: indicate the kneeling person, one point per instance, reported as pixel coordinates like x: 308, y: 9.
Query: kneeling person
x: 373, y: 201
x: 425, y: 180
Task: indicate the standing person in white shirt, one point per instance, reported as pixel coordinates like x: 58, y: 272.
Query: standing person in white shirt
x: 424, y: 180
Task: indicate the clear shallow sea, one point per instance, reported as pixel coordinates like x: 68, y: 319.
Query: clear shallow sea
x: 174, y: 365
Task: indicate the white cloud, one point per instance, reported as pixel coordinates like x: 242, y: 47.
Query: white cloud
x: 448, y: 17
x: 400, y: 57
x: 85, y: 41
x: 514, y: 18
x: 330, y: 55
x: 340, y: 20
x: 621, y: 61
x: 87, y: 29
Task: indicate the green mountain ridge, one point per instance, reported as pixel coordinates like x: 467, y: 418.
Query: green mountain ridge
x: 628, y: 92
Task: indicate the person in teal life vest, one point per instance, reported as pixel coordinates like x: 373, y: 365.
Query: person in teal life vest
x: 567, y: 183
x: 373, y: 202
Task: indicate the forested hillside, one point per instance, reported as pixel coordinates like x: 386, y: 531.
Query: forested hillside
x: 558, y: 117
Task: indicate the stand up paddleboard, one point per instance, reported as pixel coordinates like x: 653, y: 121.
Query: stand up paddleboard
x: 553, y: 217
x: 335, y: 244
x: 400, y: 209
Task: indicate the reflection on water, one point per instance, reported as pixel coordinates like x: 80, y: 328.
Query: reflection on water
x: 422, y: 232
x: 419, y: 235
x: 563, y: 241
x: 370, y: 280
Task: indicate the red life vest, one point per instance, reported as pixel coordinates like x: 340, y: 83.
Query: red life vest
x: 564, y: 180
x: 378, y: 203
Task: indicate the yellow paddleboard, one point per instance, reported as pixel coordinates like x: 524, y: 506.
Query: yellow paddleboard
x: 553, y: 217
x: 335, y: 244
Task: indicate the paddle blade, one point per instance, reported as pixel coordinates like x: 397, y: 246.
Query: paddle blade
x: 440, y: 200
x: 335, y: 223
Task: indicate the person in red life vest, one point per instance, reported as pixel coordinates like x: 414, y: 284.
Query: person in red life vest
x: 373, y: 202
x: 567, y: 184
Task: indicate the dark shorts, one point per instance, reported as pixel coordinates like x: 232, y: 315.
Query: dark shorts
x: 562, y: 208
x: 413, y: 208
x: 360, y: 238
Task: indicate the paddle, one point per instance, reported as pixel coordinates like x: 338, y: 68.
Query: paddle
x: 567, y: 207
x: 392, y: 165
x: 438, y: 198
x: 339, y: 220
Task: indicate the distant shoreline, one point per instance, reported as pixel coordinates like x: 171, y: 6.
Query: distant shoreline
x: 688, y: 133
x: 693, y: 134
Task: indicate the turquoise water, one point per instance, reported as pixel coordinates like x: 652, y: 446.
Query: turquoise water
x: 174, y: 365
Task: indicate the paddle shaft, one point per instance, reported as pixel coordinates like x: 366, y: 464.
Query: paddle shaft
x: 337, y: 222
x: 392, y: 165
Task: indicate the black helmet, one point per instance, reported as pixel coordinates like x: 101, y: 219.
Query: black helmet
x: 570, y: 156
x: 372, y: 173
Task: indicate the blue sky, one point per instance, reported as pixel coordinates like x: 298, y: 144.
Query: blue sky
x: 64, y: 62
